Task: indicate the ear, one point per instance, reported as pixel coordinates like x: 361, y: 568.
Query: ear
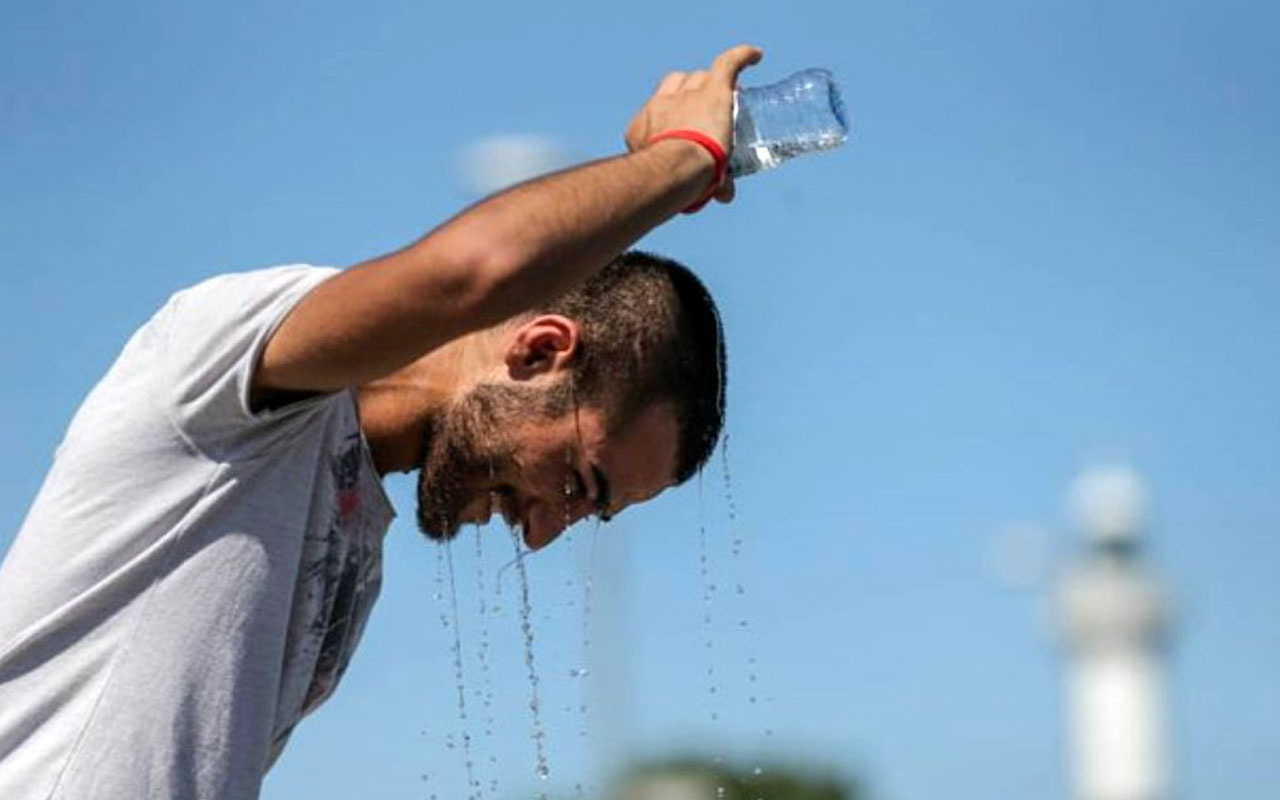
x: 541, y: 345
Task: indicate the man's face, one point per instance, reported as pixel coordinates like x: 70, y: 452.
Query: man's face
x: 498, y: 451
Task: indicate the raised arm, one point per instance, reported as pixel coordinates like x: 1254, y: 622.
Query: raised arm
x: 508, y: 253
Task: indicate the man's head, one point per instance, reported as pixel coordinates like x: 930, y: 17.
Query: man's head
x: 605, y: 397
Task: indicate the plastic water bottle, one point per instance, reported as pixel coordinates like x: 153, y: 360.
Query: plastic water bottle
x: 773, y: 123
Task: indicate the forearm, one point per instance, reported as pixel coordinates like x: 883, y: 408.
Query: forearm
x: 539, y: 239
x: 500, y: 257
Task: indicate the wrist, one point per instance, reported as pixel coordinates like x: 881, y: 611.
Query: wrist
x: 703, y: 150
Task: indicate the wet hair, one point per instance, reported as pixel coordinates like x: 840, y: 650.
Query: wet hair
x: 651, y: 334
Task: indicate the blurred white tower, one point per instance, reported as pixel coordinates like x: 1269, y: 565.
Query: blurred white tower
x: 1114, y: 617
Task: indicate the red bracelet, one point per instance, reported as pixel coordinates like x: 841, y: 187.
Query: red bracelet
x: 711, y: 146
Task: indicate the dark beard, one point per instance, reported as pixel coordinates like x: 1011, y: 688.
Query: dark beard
x: 439, y: 487
x: 463, y: 448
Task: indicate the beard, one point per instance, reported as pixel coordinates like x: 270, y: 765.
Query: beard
x: 467, y: 448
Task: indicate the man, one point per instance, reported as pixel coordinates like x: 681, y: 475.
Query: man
x: 199, y: 564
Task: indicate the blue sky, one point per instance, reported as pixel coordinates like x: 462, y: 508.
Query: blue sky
x: 1051, y: 238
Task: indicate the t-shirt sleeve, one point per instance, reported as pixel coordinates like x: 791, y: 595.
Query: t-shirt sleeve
x: 214, y: 335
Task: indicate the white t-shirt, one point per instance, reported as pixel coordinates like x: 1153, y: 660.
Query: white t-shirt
x: 192, y: 577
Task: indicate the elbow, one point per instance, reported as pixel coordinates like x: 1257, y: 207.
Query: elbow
x: 471, y: 276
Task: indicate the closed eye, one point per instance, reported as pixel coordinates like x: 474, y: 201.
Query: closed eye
x: 603, y: 498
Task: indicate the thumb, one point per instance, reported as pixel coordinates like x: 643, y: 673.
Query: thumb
x: 729, y: 64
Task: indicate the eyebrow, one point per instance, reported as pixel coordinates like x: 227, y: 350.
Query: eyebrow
x: 603, y: 500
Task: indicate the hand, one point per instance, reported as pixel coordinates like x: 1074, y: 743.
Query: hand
x: 701, y: 100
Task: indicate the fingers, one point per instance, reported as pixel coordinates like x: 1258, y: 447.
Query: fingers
x: 733, y: 61
x: 670, y: 83
x: 673, y: 82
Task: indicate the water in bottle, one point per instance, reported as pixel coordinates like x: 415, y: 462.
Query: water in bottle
x: 773, y: 123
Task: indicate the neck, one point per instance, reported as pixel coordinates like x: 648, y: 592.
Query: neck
x: 393, y: 425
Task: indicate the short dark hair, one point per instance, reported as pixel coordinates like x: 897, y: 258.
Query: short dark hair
x: 651, y: 334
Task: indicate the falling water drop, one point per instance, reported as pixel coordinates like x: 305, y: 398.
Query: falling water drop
x: 728, y: 484
x: 438, y: 594
x: 740, y: 542
x: 708, y: 592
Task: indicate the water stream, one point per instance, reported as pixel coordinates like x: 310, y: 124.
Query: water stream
x: 485, y: 692
x: 473, y: 786
x: 475, y: 703
x: 539, y: 734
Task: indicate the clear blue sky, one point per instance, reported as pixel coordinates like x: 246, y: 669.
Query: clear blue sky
x: 1053, y: 235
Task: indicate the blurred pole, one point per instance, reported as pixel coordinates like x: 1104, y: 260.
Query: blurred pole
x: 1114, y: 617
x: 612, y: 654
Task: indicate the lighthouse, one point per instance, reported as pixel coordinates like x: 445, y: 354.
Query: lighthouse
x: 1114, y: 621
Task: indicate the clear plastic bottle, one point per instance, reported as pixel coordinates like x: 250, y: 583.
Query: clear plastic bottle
x: 774, y: 123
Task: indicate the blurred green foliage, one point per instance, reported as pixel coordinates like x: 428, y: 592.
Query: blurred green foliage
x: 757, y: 782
